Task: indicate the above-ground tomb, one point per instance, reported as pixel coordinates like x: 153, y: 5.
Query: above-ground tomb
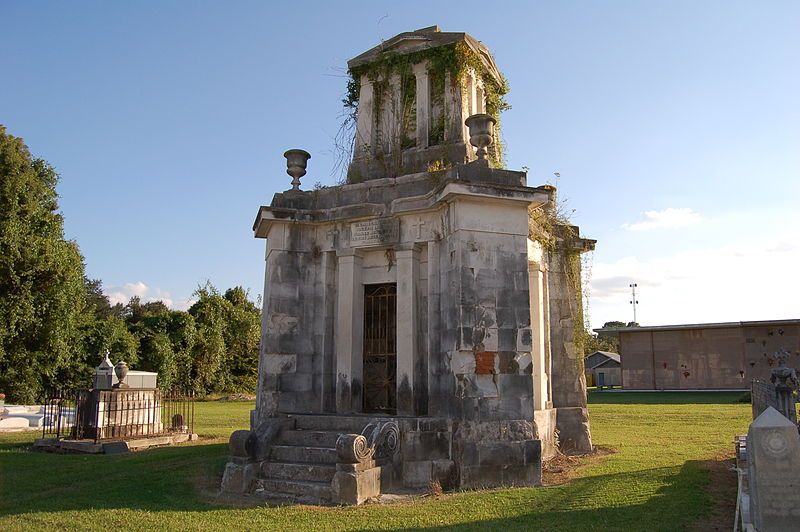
x: 420, y: 320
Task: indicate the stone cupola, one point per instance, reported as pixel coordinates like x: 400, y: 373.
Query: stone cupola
x: 411, y: 95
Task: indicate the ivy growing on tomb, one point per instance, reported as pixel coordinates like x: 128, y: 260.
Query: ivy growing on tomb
x: 456, y: 59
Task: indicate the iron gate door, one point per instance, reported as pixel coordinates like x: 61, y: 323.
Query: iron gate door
x: 380, y: 348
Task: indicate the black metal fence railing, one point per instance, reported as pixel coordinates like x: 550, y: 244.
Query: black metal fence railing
x: 59, y: 413
x: 122, y: 413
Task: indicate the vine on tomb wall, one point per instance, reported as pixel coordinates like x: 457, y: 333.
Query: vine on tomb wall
x: 551, y: 227
x: 456, y: 59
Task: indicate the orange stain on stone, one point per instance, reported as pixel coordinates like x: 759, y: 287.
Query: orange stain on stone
x: 484, y: 362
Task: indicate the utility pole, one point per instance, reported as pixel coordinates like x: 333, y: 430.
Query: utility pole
x: 634, y: 302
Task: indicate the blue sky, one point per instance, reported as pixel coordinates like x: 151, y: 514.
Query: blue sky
x: 675, y: 127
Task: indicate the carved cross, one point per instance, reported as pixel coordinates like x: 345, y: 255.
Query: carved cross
x: 418, y: 225
x: 332, y: 235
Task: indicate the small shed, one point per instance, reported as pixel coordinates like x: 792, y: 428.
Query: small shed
x: 603, y: 369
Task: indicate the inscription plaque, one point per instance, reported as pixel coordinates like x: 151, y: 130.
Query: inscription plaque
x: 376, y: 232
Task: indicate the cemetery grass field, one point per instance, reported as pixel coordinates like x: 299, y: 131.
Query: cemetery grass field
x: 667, y: 467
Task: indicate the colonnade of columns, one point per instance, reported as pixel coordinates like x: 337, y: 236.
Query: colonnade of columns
x: 458, y: 103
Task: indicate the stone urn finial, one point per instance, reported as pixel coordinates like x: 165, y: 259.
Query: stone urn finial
x: 121, y: 370
x: 481, y: 133
x: 296, y: 162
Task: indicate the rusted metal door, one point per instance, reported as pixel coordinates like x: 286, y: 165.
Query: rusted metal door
x: 380, y: 348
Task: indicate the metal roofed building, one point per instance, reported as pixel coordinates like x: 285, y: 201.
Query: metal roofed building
x: 703, y: 356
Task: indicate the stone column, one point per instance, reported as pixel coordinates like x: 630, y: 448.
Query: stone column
x: 454, y: 111
x: 434, y: 354
x: 328, y: 377
x: 349, y: 333
x: 423, y: 103
x: 364, y: 127
x: 407, y: 354
x: 537, y: 304
x: 392, y: 125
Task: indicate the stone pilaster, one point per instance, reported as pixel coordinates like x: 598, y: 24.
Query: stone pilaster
x: 566, y: 319
x: 540, y: 370
x: 407, y: 326
x: 349, y: 333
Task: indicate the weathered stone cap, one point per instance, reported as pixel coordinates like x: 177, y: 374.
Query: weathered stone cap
x: 771, y: 418
x: 423, y: 39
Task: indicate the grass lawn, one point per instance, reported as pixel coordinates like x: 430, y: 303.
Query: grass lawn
x: 656, y: 480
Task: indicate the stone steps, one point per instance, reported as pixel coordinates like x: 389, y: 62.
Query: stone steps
x: 293, y: 471
x: 302, y: 459
x: 301, y: 454
x: 309, y: 438
x: 316, y: 490
x: 333, y: 423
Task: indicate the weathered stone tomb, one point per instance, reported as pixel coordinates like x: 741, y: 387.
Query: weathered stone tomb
x: 419, y: 321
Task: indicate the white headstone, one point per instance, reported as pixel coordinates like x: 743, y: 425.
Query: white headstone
x: 773, y: 447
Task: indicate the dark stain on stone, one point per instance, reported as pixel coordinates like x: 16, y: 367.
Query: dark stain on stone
x: 342, y: 392
x: 355, y: 386
x: 507, y: 362
x: 525, y: 337
x: 405, y: 397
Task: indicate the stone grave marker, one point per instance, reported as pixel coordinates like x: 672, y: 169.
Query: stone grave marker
x: 773, y: 446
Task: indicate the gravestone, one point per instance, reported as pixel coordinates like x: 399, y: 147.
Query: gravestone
x: 773, y: 447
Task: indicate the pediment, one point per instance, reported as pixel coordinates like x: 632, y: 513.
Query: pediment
x: 425, y: 38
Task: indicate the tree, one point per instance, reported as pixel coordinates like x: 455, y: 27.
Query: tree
x: 166, y: 337
x: 42, y: 293
x: 613, y: 325
x: 228, y: 335
x: 242, y: 339
x: 598, y: 342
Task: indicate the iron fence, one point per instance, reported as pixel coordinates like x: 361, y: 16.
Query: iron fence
x: 122, y: 413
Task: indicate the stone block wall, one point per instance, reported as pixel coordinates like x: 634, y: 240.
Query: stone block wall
x: 486, y: 328
x: 497, y: 453
x: 293, y: 326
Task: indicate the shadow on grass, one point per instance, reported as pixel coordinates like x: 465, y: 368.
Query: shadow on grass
x: 616, y: 502
x: 169, y: 478
x: 173, y: 479
x: 665, y: 398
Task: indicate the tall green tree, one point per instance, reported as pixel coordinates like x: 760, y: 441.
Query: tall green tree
x: 228, y: 333
x: 242, y: 339
x: 167, y: 339
x: 42, y: 293
x: 104, y: 329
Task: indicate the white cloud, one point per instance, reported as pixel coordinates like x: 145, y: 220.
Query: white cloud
x: 123, y: 293
x: 747, y: 280
x: 671, y: 217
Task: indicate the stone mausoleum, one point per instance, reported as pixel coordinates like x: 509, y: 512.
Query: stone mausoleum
x: 419, y: 320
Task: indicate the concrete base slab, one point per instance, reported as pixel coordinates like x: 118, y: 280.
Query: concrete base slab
x: 109, y: 447
x: 14, y: 424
